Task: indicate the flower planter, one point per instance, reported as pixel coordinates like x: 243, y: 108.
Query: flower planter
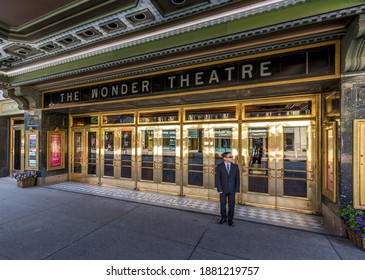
x: 29, y: 182
x: 356, y: 240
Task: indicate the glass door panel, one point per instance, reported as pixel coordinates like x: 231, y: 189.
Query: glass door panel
x: 258, y: 175
x: 126, y: 153
x: 295, y: 161
x: 109, y: 149
x: 91, y: 155
x: 77, y: 161
x: 147, y: 157
x: 169, y: 156
x: 195, y: 157
x: 222, y: 143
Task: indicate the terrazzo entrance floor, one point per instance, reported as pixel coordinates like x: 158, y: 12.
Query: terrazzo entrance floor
x: 281, y: 218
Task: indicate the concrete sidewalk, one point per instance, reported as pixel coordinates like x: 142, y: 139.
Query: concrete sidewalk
x: 49, y: 223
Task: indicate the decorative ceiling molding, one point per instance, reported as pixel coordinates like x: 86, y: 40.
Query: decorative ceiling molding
x: 168, y: 66
x: 51, y: 46
x: 267, y: 31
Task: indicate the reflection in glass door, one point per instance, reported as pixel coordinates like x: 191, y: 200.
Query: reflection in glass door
x: 158, y: 158
x: 278, y: 165
x: 258, y: 180
x: 203, y: 146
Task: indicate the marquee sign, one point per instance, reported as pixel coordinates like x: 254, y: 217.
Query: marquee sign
x: 305, y: 63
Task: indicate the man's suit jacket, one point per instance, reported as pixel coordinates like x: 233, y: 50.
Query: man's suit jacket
x: 227, y: 183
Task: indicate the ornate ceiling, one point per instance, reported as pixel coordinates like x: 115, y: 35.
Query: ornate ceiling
x: 51, y: 44
x: 36, y: 30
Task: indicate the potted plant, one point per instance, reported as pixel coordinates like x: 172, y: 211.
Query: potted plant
x: 25, y: 178
x: 354, y: 220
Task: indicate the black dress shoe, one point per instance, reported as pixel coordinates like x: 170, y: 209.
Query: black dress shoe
x: 230, y: 223
x: 222, y: 221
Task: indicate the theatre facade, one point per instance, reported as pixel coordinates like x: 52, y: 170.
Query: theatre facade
x: 280, y: 87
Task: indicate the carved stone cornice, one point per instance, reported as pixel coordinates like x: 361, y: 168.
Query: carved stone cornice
x: 25, y: 97
x: 353, y: 46
x: 23, y: 104
x: 30, y: 95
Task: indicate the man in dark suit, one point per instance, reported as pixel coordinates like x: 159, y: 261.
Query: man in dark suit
x: 227, y: 182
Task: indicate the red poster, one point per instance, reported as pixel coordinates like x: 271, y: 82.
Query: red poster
x: 55, y: 150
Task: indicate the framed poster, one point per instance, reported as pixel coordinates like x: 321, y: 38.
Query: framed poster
x: 55, y: 150
x: 32, y: 149
x: 330, y: 162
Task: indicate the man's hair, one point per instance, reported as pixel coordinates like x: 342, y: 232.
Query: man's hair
x: 225, y: 154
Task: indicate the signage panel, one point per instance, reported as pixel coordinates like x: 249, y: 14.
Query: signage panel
x: 305, y: 63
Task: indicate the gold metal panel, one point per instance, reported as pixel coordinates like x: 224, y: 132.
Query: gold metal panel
x: 359, y: 164
x: 275, y: 196
x: 329, y: 161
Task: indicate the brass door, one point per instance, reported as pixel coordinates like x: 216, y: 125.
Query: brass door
x: 203, y: 145
x: 117, y: 156
x: 85, y: 155
x: 278, y: 165
x: 17, y: 149
x: 158, y: 156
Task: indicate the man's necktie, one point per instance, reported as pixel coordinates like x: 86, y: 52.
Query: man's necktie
x: 228, y: 167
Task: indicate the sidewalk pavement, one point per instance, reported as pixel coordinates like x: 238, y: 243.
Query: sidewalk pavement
x: 67, y: 221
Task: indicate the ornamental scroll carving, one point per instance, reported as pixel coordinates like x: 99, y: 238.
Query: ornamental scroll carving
x: 353, y: 46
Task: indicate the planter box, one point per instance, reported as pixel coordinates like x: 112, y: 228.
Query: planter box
x: 357, y: 241
x: 26, y: 182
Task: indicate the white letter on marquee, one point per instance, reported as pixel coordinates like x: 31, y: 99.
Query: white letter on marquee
x: 229, y: 70
x: 198, y: 78
x: 172, y: 78
x: 247, y: 69
x: 214, y: 77
x: 94, y: 93
x: 263, y: 68
x: 145, y: 86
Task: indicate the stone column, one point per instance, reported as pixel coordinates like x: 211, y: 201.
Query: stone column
x: 352, y: 101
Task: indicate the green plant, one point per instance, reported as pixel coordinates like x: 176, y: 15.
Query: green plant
x: 354, y: 220
x: 23, y: 175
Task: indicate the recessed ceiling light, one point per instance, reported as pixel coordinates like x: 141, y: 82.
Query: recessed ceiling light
x: 113, y: 25
x: 69, y: 40
x: 178, y: 2
x: 22, y: 52
x: 140, y: 17
x: 89, y: 33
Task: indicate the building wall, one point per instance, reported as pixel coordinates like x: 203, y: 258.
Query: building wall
x: 352, y: 107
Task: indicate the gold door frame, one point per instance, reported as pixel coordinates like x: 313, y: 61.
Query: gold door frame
x: 117, y: 179
x: 182, y: 118
x: 275, y: 197
x: 84, y: 176
x: 15, y: 127
x: 208, y: 190
x: 157, y: 152
x: 359, y: 164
